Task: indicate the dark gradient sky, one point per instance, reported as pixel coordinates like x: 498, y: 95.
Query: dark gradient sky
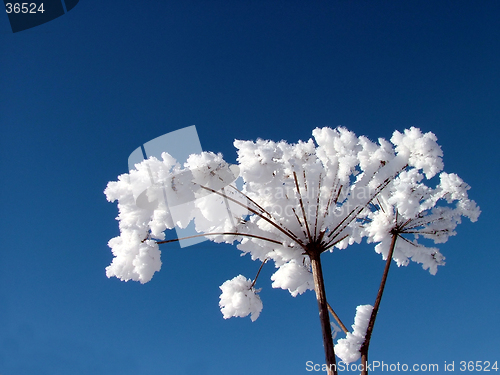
x: 80, y: 93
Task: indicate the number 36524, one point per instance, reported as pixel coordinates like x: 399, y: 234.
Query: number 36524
x: 24, y: 8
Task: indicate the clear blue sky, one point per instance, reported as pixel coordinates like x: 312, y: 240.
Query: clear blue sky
x: 80, y: 93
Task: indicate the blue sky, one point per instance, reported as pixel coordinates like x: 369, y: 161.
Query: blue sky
x: 80, y: 93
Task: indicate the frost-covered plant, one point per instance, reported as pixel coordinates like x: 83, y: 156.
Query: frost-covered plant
x: 297, y: 202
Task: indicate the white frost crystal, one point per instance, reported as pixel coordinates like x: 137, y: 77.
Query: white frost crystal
x: 347, y: 349
x: 239, y: 299
x: 294, y: 277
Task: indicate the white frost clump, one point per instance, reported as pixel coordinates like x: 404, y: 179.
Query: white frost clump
x: 294, y: 277
x: 159, y: 195
x: 134, y: 260
x: 239, y: 299
x: 421, y: 149
x: 347, y: 349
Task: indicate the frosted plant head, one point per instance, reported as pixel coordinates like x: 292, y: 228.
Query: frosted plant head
x: 409, y: 210
x: 296, y: 200
x: 295, y: 197
x: 308, y: 196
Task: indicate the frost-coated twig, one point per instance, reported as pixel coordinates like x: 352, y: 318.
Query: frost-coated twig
x: 302, y: 206
x: 337, y: 318
x: 251, y: 200
x: 298, y: 221
x: 294, y: 238
x: 364, y: 347
x: 331, y: 244
x: 262, y: 209
x: 358, y: 209
x: 317, y: 207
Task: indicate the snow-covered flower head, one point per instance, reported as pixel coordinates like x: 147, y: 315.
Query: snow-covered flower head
x: 409, y: 209
x: 328, y: 192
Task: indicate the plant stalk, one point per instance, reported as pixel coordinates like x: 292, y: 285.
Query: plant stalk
x: 364, y: 348
x: 337, y: 319
x: 319, y: 288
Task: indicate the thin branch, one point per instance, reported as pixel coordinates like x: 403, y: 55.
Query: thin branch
x: 264, y: 211
x: 221, y: 234
x: 422, y: 223
x: 298, y: 221
x: 378, y: 190
x: 251, y: 200
x: 228, y: 209
x: 404, y: 224
x: 427, y: 232
x: 338, y: 195
x: 330, y: 244
x: 364, y: 347
x: 407, y: 240
x: 329, y: 201
x: 356, y: 208
x: 334, y: 231
x: 258, y: 272
x: 294, y: 238
x: 337, y: 318
x: 302, y: 206
x: 317, y: 207
x: 321, y: 235
x: 365, y: 220
x: 380, y: 205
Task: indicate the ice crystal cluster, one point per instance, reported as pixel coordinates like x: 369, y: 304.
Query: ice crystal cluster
x: 348, y: 348
x: 334, y: 190
x: 238, y: 298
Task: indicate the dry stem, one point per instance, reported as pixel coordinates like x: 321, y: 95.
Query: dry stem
x: 373, y: 316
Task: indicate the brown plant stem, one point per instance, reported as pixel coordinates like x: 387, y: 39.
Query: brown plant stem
x: 314, y: 252
x: 364, y: 347
x: 337, y: 318
x: 258, y: 273
x: 220, y: 234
